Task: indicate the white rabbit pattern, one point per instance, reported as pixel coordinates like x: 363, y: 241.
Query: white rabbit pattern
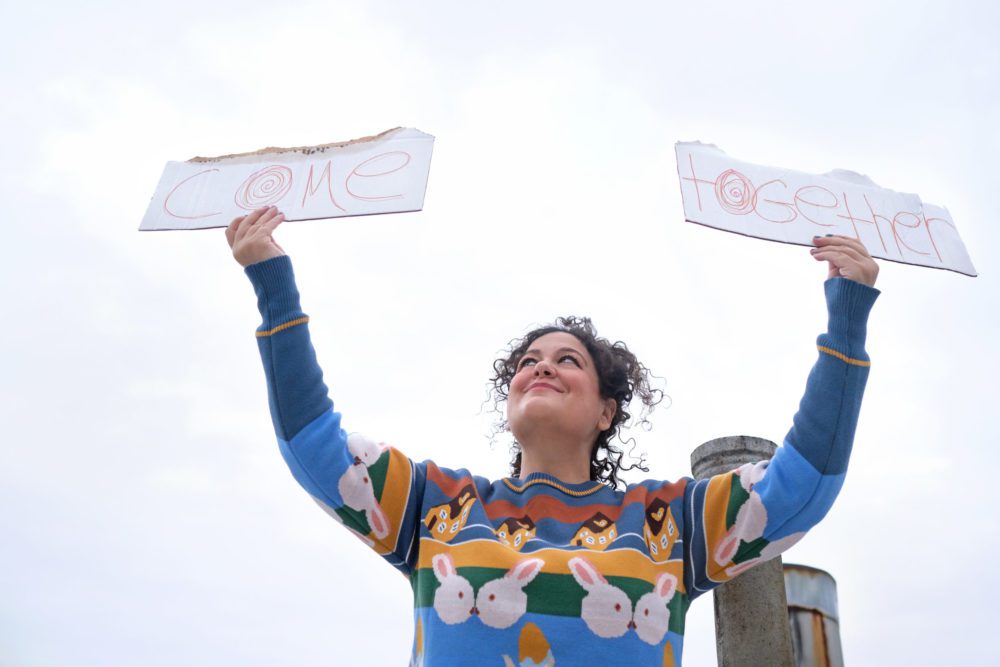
x: 607, y: 610
x: 751, y: 520
x: 500, y: 602
x: 355, y: 484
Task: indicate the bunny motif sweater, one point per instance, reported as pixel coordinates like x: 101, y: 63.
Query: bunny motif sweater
x: 536, y: 571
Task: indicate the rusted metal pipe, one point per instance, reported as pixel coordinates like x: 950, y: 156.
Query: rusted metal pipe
x: 813, y: 616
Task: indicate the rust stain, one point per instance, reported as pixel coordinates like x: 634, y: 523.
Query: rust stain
x: 820, y: 652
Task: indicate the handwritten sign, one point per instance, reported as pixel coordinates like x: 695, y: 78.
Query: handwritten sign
x: 386, y: 173
x: 793, y: 207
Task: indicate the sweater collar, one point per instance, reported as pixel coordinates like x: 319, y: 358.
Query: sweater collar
x: 544, y: 479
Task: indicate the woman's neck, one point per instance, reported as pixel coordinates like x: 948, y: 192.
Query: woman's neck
x: 567, y: 464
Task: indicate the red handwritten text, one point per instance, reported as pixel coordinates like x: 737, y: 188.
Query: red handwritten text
x: 272, y: 184
x: 774, y: 201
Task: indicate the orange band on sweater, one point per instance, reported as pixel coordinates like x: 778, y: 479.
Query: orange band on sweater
x: 843, y: 357
x: 286, y: 325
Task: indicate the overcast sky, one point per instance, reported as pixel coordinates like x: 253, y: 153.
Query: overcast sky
x: 146, y: 514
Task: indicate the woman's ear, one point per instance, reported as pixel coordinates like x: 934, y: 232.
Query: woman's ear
x: 608, y: 412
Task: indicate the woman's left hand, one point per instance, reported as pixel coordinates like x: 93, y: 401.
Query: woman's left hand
x: 848, y: 258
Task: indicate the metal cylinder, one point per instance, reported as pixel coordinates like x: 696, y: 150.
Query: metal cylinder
x: 813, y: 616
x: 751, y: 613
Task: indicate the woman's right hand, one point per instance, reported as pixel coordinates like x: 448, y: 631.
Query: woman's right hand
x: 250, y: 236
x: 847, y: 257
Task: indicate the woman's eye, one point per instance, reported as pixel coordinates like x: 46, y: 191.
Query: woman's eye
x: 570, y: 358
x: 526, y: 361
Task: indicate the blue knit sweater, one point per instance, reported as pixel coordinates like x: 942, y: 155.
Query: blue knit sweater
x: 532, y: 571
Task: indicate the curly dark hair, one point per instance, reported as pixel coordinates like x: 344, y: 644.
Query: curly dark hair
x: 620, y: 376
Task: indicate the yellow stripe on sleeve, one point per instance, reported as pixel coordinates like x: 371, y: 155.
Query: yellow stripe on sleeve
x: 281, y: 327
x: 843, y: 357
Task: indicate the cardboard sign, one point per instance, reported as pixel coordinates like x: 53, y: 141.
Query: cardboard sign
x: 386, y: 173
x: 793, y: 207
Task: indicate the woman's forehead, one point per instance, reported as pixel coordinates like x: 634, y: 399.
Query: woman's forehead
x: 558, y: 340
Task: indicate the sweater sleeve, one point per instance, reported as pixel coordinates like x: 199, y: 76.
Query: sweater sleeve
x: 373, y: 490
x: 741, y: 518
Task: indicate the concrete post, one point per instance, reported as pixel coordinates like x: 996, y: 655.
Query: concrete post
x: 751, y: 612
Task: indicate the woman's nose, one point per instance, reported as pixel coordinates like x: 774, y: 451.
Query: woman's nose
x: 543, y: 368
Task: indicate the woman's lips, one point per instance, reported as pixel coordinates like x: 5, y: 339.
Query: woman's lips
x: 544, y: 385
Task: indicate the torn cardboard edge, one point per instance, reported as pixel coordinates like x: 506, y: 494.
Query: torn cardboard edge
x: 305, y: 150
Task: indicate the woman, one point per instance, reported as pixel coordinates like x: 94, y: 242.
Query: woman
x: 552, y: 564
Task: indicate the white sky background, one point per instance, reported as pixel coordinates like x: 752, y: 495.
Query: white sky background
x: 147, y: 516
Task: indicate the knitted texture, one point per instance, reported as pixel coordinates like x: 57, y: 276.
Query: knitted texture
x: 531, y: 571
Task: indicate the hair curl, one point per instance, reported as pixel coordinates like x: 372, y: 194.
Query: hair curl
x: 620, y: 375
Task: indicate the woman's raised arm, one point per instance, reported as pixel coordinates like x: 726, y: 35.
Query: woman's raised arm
x: 754, y: 513
x: 373, y: 490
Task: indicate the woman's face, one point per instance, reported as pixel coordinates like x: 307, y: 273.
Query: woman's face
x: 555, y: 390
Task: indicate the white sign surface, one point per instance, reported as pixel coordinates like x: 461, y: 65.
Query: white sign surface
x: 793, y: 207
x: 386, y: 173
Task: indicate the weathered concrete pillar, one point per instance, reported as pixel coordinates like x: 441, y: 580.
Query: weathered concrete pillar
x: 814, y: 617
x: 751, y: 612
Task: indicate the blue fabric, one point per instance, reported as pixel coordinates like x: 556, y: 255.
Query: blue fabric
x: 796, y: 495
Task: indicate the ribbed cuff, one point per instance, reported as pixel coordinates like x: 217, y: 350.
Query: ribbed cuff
x: 848, y: 304
x: 277, y: 296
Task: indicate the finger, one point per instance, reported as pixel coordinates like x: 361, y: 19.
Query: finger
x: 248, y: 223
x: 268, y: 226
x: 829, y: 239
x: 854, y: 245
x: 846, y: 244
x: 261, y: 231
x: 841, y: 241
x: 849, y: 252
x: 268, y: 213
x: 231, y: 230
x: 260, y: 227
x: 838, y: 257
x: 841, y: 264
x: 256, y: 215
